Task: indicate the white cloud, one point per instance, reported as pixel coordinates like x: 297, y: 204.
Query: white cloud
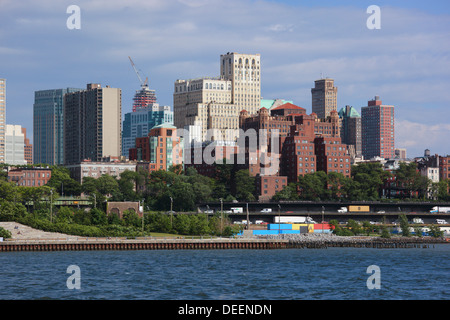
x: 417, y: 137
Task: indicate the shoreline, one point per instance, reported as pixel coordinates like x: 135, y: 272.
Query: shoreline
x: 307, y: 241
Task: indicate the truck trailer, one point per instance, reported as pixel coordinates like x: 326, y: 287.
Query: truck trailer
x: 287, y: 219
x: 354, y: 209
x: 439, y: 209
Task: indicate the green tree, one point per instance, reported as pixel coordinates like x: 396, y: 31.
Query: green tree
x: 62, y: 183
x: 245, y: 186
x: 289, y: 192
x: 354, y: 226
x: 313, y: 186
x: 108, y: 185
x: 436, y: 232
x: 367, y: 181
x: 98, y: 217
x: 182, y: 224
x: 385, y: 232
x: 404, y: 225
x: 131, y: 218
x: 64, y: 215
x: 128, y: 185
x: 410, y: 181
x: 5, y: 233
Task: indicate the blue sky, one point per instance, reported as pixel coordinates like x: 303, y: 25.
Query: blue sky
x: 406, y: 62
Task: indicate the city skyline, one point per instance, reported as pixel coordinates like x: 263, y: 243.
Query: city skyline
x: 406, y: 62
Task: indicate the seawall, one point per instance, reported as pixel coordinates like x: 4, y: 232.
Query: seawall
x: 90, y: 244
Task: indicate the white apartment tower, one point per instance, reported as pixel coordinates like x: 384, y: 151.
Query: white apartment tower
x: 215, y: 102
x: 14, y: 145
x: 244, y: 72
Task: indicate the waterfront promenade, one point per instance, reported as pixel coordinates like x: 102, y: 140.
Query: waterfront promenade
x: 27, y: 239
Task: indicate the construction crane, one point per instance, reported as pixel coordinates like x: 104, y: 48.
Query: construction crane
x: 144, y: 84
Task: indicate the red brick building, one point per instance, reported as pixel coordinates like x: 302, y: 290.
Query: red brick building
x: 268, y: 186
x: 161, y: 147
x: 30, y: 177
x: 444, y: 167
x: 332, y: 155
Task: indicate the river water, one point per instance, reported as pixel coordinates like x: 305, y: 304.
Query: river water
x: 286, y: 274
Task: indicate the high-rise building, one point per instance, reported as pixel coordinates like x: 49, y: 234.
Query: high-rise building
x: 2, y: 119
x: 324, y: 97
x: 161, y: 147
x: 205, y: 103
x: 92, y: 124
x: 143, y: 98
x: 138, y: 124
x: 28, y: 148
x: 48, y: 125
x: 244, y: 72
x: 14, y: 145
x: 377, y: 128
x: 351, y: 129
x: 215, y: 103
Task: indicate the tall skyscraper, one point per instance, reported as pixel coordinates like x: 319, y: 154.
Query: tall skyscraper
x: 138, y: 124
x: 377, y: 127
x: 244, y: 72
x: 143, y: 98
x: 2, y: 119
x: 324, y: 97
x: 48, y: 125
x: 92, y: 124
x: 351, y: 129
x: 215, y: 102
x: 14, y: 145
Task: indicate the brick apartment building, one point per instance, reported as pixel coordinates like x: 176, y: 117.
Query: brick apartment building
x: 30, y: 177
x: 162, y: 147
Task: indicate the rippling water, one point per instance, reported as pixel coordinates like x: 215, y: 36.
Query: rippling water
x: 288, y: 274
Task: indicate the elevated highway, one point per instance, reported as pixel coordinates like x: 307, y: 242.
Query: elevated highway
x: 326, y: 211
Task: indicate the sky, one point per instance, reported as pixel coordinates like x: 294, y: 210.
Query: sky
x: 406, y: 62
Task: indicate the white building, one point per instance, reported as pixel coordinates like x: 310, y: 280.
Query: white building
x: 14, y: 145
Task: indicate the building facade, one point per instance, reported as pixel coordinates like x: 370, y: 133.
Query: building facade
x: 324, y: 97
x: 351, y: 129
x: 48, y: 125
x: 14, y: 145
x: 92, y: 124
x: 30, y: 177
x: 2, y: 119
x: 205, y: 103
x: 96, y: 169
x: 137, y: 124
x: 377, y: 127
x: 161, y: 147
x: 214, y: 104
x: 244, y: 72
x: 28, y: 148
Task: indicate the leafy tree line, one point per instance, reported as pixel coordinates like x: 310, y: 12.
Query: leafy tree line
x: 367, y: 182
x: 355, y: 228
x: 34, y: 206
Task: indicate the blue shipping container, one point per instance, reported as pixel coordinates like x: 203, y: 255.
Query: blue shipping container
x: 282, y: 226
x: 264, y: 232
x: 290, y: 231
